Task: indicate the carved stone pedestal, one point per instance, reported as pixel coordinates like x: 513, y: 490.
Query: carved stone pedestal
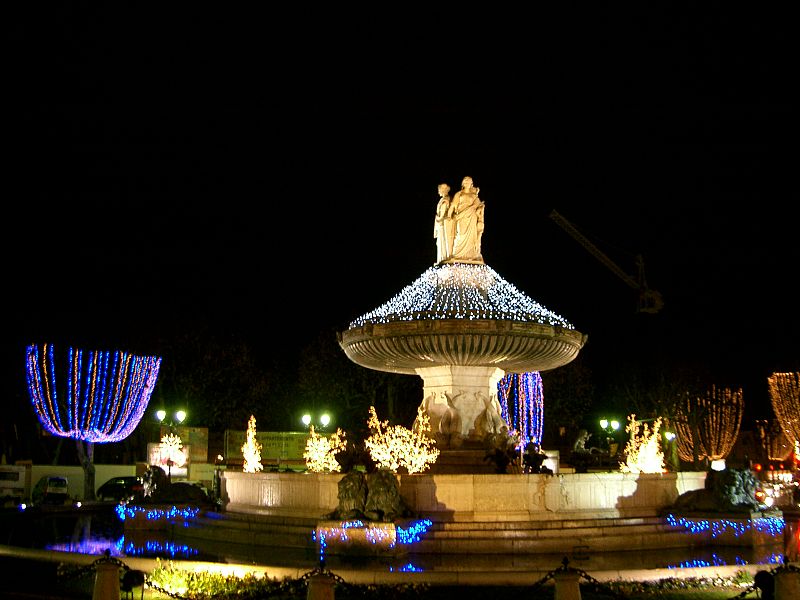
x: 461, y: 403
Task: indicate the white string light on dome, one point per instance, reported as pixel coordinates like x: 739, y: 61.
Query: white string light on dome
x: 461, y: 291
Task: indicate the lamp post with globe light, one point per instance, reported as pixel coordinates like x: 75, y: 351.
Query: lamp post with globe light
x: 672, y: 450
x: 324, y: 420
x: 178, y: 417
x: 610, y: 427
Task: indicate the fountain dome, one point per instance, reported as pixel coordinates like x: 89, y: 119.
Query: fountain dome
x: 461, y: 314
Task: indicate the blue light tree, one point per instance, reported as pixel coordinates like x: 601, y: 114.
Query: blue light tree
x: 101, y: 399
x: 522, y: 404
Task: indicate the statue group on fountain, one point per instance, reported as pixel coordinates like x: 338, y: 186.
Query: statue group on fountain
x: 447, y: 424
x: 458, y: 225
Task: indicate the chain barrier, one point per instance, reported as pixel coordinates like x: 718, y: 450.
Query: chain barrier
x: 785, y: 567
x: 598, y: 586
x: 321, y: 569
x: 161, y: 590
x: 66, y: 573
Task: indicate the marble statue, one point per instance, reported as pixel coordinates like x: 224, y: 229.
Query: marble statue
x: 467, y: 210
x: 444, y: 226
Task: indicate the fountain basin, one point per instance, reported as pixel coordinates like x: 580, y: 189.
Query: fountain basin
x: 513, y: 346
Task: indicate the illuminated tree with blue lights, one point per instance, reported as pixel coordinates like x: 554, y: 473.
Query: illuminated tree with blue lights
x: 101, y: 399
x: 522, y: 404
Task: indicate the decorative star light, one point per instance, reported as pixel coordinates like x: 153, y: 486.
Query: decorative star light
x: 172, y: 450
x: 461, y: 291
x: 105, y: 395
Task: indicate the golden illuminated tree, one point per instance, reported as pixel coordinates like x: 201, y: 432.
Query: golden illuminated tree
x: 395, y: 446
x: 784, y: 388
x: 643, y: 452
x: 251, y: 449
x: 707, y: 426
x: 321, y: 451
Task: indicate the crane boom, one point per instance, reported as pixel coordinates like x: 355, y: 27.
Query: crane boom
x: 650, y: 301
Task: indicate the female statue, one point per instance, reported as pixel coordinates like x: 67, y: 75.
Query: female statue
x: 467, y: 211
x: 443, y: 225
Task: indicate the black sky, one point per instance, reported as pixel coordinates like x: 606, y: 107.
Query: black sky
x: 275, y: 173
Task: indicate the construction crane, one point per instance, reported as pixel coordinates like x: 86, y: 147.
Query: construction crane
x: 649, y: 301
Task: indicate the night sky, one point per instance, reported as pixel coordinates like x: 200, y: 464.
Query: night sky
x: 275, y: 174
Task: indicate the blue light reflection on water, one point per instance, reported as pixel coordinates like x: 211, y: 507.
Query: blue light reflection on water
x: 407, y: 568
x: 121, y: 548
x: 155, y: 547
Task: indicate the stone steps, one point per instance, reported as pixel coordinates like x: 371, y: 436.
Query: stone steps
x: 558, y: 535
x: 475, y: 537
x: 253, y: 530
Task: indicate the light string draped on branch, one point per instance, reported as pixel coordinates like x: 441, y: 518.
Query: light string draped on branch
x: 101, y: 398
x: 710, y: 423
x: 522, y: 404
x: 784, y: 388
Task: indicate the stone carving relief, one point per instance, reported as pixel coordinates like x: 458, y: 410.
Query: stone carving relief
x: 445, y: 418
x: 489, y: 422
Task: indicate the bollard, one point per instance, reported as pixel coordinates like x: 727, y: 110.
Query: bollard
x: 765, y: 583
x: 567, y: 586
x: 320, y: 587
x: 106, y: 582
x: 787, y: 585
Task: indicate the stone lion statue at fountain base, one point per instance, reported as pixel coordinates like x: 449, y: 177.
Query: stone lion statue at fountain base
x: 730, y: 490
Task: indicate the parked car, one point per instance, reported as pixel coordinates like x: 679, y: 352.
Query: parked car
x: 121, y: 488
x: 185, y: 492
x: 50, y: 490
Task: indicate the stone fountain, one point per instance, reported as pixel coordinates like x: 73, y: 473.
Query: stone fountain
x: 461, y: 327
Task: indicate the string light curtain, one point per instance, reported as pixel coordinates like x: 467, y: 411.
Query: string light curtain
x: 784, y: 389
x: 522, y: 404
x: 102, y: 396
x: 717, y: 429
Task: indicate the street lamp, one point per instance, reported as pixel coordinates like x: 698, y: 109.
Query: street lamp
x: 324, y: 420
x: 610, y: 427
x: 177, y: 418
x: 672, y: 450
